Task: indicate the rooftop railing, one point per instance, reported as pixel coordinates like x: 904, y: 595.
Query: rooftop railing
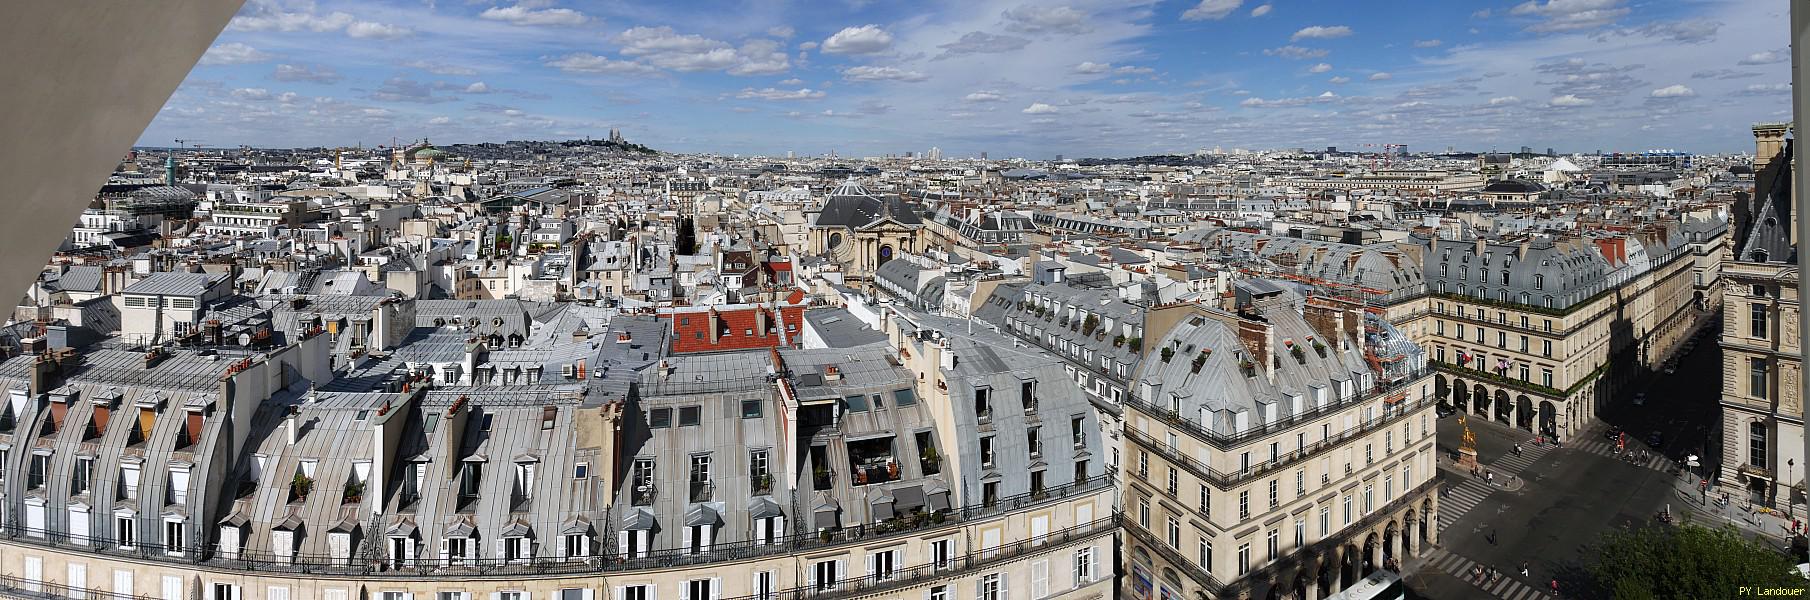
x: 1224, y: 441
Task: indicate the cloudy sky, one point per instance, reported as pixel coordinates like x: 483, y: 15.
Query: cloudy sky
x: 1010, y: 77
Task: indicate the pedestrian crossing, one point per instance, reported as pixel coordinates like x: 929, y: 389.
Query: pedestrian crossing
x: 1511, y: 586
x: 1600, y: 446
x: 1459, y: 498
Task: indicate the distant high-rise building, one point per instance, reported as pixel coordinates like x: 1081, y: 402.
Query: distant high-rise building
x: 1058, y: 158
x: 935, y: 153
x: 983, y: 156
x: 908, y: 154
x: 789, y: 155
x: 1401, y: 150
x: 1527, y: 150
x: 1549, y: 152
x: 1332, y: 149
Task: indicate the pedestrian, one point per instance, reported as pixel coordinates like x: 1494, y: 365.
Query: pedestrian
x: 1555, y: 587
x: 1524, y: 572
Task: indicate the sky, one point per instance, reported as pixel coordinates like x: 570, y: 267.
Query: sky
x: 1009, y: 77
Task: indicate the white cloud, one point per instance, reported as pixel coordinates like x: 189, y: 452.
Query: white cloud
x: 377, y: 31
x: 439, y: 120
x: 1673, y: 91
x: 1320, y: 32
x: 1427, y: 43
x: 667, y: 49
x: 866, y: 39
x: 233, y: 53
x: 1570, y: 15
x: 792, y: 81
x: 1133, y: 70
x: 984, y: 96
x: 781, y: 31
x: 1027, y: 18
x: 521, y: 14
x: 440, y: 68
x: 1765, y: 58
x: 1039, y: 108
x: 1260, y: 11
x: 1295, y: 52
x: 269, y: 15
x: 807, y: 45
x: 1328, y: 94
x: 981, y: 42
x: 1504, y: 100
x: 1570, y: 100
x: 1380, y: 76
x: 1211, y: 10
x: 251, y: 93
x: 306, y: 73
x: 871, y: 73
x: 778, y: 94
x: 1319, y: 68
x: 584, y: 62
x: 1340, y: 80
x: 1092, y: 68
x: 477, y: 88
x: 1764, y: 89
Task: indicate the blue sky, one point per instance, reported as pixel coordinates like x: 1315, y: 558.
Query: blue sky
x: 1009, y: 77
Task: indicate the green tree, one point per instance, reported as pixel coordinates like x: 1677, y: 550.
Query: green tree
x: 1686, y: 563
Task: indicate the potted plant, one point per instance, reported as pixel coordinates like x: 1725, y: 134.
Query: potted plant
x: 1299, y: 354
x: 937, y: 517
x: 355, y: 492
x: 300, y: 486
x: 1167, y: 354
x: 1249, y: 368
x: 1319, y: 348
x: 1200, y: 360
x: 1089, y: 324
x: 1118, y: 340
x: 1137, y: 343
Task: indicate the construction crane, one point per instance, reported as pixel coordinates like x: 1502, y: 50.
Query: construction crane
x: 184, y: 144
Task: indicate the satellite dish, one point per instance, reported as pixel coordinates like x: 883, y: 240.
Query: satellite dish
x: 244, y: 339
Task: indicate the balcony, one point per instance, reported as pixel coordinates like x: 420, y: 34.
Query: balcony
x: 1229, y: 478
x: 701, y: 491
x: 643, y: 494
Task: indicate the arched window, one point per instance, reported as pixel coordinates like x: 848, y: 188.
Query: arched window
x: 1505, y: 278
x: 1539, y: 282
x: 1549, y: 302
x: 1504, y: 295
x: 1442, y: 287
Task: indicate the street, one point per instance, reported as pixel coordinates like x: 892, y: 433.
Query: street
x: 1572, y: 494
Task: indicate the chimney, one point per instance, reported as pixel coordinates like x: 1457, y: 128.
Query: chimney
x: 43, y: 374
x: 715, y: 320
x: 1257, y: 339
x: 1769, y: 139
x: 292, y: 427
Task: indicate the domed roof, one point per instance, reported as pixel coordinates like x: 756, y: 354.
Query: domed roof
x: 429, y: 152
x: 1514, y: 186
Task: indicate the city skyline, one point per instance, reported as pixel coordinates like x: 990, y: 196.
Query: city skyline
x: 1008, y: 78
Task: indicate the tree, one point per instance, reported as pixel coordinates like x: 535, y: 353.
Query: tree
x: 1687, y: 562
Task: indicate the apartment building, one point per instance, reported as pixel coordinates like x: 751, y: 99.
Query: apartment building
x: 1762, y: 432
x: 1287, y: 448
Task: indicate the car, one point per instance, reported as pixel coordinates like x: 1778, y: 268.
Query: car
x: 1444, y: 411
x: 1640, y: 399
x: 1612, y: 433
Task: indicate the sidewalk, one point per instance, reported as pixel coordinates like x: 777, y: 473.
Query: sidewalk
x: 1774, y: 528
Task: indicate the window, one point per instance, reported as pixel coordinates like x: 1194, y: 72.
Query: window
x: 824, y: 573
x: 637, y: 592
x: 1756, y: 320
x: 942, y: 554
x: 1084, y: 565
x: 1347, y: 509
x: 763, y: 585
x: 689, y: 415
x: 700, y: 589
x: 1300, y: 533
x: 1205, y: 551
x: 986, y: 452
x: 125, y: 531
x: 1244, y: 559
x: 1174, y: 479
x: 659, y: 418
x: 1325, y: 521
x: 940, y: 592
x: 1144, y: 512
x: 991, y: 587
x: 1143, y: 462
x: 1244, y: 504
x: 1175, y: 533
x: 1756, y: 444
x: 1275, y: 498
x: 1027, y: 395
x: 1369, y: 498
x: 1539, y: 282
x: 989, y: 493
x: 226, y: 591
x: 1300, y: 482
x: 1075, y: 429
x: 1034, y: 441
x: 84, y: 473
x: 1756, y: 378
x: 1271, y: 544
x: 1524, y: 372
x: 1502, y: 339
x: 173, y: 542
x: 1206, y: 500
x: 40, y: 466
x: 450, y: 596
x: 1388, y: 442
x: 751, y: 409
x: 982, y: 407
x: 1546, y: 377
x: 1439, y: 327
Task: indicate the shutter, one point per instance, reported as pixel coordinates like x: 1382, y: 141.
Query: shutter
x: 496, y: 596
x: 811, y: 577
x: 499, y: 549
x: 709, y: 533
x: 78, y: 580
x: 685, y: 590
x: 645, y: 540
x: 122, y: 583
x: 621, y: 547
x: 870, y: 565
x: 445, y: 552
x: 1084, y: 513
x: 841, y: 570
x: 715, y: 587
x: 1040, y: 528
x: 1040, y: 579
x: 779, y: 527
x: 760, y: 532
x: 1003, y: 594
x: 621, y: 592
x: 589, y: 594
x: 691, y: 535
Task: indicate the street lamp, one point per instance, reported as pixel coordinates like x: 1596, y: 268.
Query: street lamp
x: 1790, y: 488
